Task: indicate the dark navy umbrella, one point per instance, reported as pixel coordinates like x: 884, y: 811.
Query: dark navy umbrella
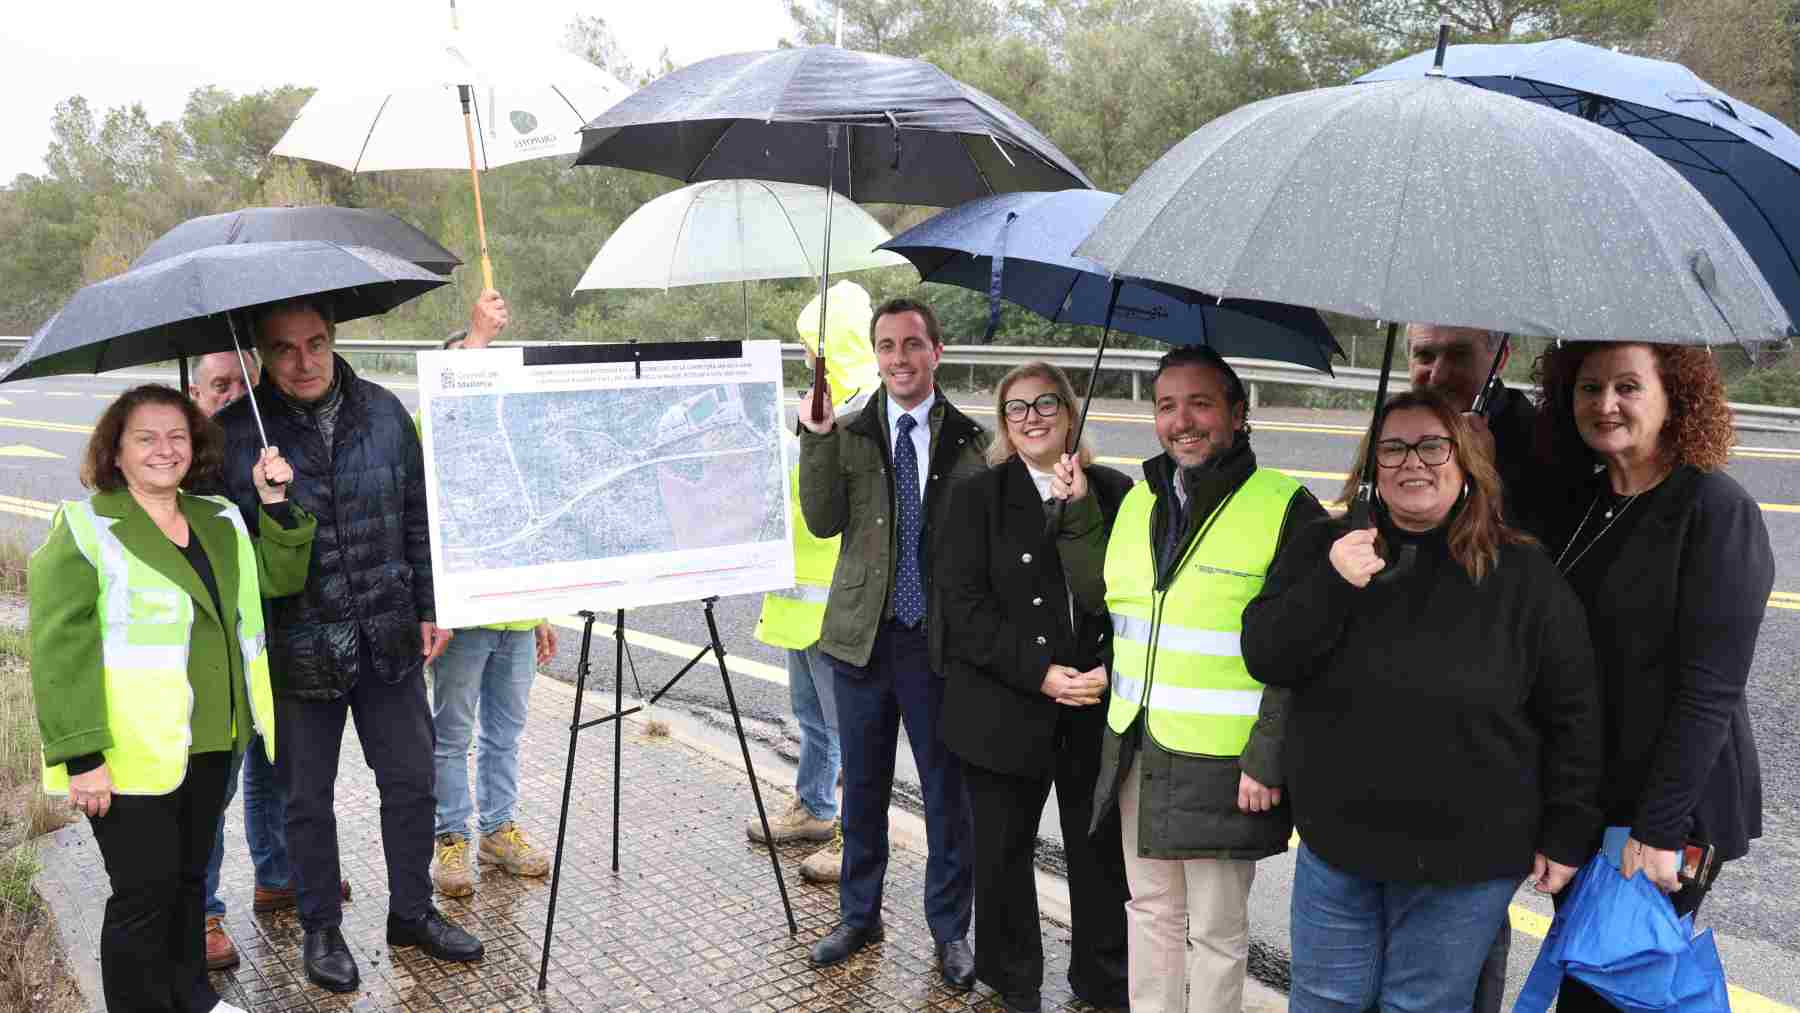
x: 877, y: 129
x: 1745, y: 162
x: 185, y: 305
x: 349, y: 226
x: 1019, y: 247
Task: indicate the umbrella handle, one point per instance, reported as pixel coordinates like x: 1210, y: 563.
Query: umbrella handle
x: 831, y: 148
x: 249, y: 388
x: 487, y: 266
x: 1053, y: 520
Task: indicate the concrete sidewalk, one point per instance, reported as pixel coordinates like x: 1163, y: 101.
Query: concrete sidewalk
x: 692, y: 920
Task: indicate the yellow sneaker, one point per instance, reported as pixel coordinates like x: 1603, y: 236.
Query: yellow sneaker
x: 450, y: 869
x: 508, y: 848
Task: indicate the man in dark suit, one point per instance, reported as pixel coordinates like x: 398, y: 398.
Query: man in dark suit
x: 880, y: 480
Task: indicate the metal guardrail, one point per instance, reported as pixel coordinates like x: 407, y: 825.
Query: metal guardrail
x: 1137, y: 363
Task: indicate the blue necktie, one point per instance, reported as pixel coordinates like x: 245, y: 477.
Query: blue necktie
x: 909, y: 587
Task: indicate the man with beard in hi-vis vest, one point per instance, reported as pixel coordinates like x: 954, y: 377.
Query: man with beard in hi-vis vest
x: 792, y: 619
x: 1192, y: 754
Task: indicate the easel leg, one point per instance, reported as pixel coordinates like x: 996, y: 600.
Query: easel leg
x: 718, y: 649
x: 562, y: 821
x: 618, y: 725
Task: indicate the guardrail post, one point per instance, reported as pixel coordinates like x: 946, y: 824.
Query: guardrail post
x: 1255, y: 401
x: 1136, y: 393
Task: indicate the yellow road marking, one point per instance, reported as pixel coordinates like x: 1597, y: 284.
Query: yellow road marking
x: 32, y: 508
x: 675, y: 648
x: 62, y: 393
x: 55, y: 427
x: 22, y: 450
x: 1529, y: 922
x: 4, y: 401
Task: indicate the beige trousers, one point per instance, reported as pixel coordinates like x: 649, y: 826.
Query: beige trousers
x: 1188, y: 923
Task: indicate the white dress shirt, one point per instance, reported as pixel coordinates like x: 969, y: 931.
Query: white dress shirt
x: 921, y: 434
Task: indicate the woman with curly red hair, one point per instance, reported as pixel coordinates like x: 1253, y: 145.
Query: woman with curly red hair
x: 1672, y: 560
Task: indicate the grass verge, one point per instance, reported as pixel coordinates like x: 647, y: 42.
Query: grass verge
x: 32, y: 974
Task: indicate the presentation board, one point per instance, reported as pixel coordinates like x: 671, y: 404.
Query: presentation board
x: 556, y: 485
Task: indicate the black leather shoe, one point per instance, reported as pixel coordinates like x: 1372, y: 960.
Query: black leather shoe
x: 329, y: 964
x: 1021, y: 1002
x: 434, y: 934
x: 957, y: 962
x: 843, y: 941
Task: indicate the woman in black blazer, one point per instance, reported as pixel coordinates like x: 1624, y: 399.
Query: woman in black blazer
x: 1672, y: 560
x: 1027, y: 640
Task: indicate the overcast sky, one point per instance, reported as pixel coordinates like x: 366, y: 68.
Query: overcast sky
x: 115, y: 52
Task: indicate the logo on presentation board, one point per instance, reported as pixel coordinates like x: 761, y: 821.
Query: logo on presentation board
x: 523, y: 121
x: 452, y: 379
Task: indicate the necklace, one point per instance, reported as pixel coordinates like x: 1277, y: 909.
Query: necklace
x: 1612, y: 517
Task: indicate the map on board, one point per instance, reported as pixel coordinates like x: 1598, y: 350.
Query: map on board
x: 571, y: 486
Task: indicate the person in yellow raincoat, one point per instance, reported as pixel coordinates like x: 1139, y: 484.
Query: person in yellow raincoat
x: 791, y: 618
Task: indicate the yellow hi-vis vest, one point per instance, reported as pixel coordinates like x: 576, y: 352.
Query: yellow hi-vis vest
x: 793, y: 617
x: 1176, y: 651
x: 146, y: 621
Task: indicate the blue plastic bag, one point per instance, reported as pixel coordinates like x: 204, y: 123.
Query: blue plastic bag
x: 1622, y: 938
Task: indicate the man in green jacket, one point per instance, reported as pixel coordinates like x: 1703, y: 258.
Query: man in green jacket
x: 881, y: 480
x: 1192, y: 754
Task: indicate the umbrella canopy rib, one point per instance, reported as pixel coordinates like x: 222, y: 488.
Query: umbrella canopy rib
x: 374, y: 122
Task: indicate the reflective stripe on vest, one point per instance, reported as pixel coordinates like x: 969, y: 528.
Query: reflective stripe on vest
x: 146, y: 623
x: 1177, y: 651
x: 792, y: 618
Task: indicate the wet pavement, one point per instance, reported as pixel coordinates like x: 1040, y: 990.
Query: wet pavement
x: 692, y: 921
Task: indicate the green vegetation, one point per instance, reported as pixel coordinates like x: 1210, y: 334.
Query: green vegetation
x: 1115, y: 83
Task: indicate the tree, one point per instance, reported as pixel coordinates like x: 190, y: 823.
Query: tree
x: 229, y: 137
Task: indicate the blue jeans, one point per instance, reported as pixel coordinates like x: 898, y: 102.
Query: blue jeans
x: 265, y: 820
x: 485, y: 673
x: 264, y: 817
x: 215, y: 905
x: 1413, y: 947
x: 812, y: 693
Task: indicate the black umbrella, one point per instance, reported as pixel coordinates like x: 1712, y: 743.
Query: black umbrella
x: 1426, y: 200
x: 908, y: 133
x: 348, y: 226
x: 185, y: 305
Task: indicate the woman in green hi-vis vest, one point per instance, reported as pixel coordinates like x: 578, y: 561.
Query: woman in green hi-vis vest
x: 149, y: 672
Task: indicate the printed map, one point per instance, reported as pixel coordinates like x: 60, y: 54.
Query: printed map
x: 546, y: 477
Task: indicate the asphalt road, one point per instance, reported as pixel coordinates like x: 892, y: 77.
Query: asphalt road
x: 44, y: 426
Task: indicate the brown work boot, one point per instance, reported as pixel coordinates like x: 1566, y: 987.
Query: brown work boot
x: 826, y: 864
x: 451, y: 872
x: 277, y: 898
x: 508, y: 848
x: 796, y: 823
x: 220, y: 953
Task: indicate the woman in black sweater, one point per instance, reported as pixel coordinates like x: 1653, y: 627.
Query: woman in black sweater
x: 1443, y: 737
x: 1672, y: 561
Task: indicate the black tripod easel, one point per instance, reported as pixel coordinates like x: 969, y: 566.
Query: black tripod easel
x: 617, y: 718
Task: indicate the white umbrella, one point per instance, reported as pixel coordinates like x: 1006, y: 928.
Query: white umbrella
x: 740, y: 230
x: 462, y: 100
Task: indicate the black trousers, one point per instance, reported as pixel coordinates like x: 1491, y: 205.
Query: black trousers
x: 1574, y: 997
x: 153, y: 936
x: 1009, y: 945
x: 393, y: 723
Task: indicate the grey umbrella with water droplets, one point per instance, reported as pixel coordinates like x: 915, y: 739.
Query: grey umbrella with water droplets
x: 1423, y: 200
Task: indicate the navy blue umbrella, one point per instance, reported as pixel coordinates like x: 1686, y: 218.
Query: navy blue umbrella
x: 1745, y: 162
x: 1019, y: 247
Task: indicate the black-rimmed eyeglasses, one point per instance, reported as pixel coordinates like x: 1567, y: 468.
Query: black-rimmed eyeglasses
x: 1045, y: 405
x: 1433, y: 451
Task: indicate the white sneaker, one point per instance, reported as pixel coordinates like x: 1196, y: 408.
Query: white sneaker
x: 225, y: 1007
